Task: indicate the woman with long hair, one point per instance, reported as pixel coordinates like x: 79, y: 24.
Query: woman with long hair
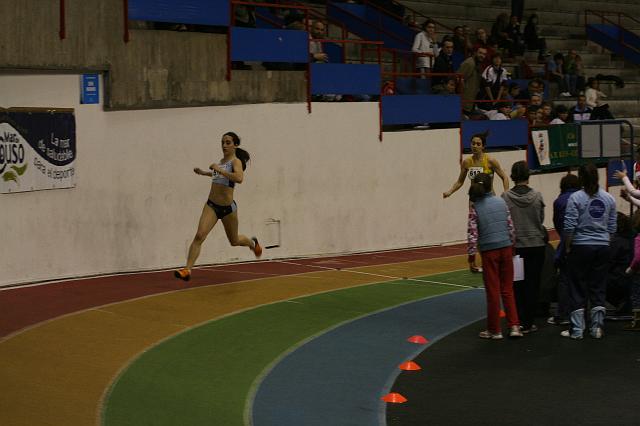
x: 220, y: 204
x: 589, y: 221
x: 479, y: 162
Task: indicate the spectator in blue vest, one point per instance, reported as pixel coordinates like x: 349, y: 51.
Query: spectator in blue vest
x: 491, y: 233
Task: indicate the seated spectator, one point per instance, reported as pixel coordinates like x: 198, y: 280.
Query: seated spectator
x: 245, y: 16
x: 594, y: 99
x: 448, y: 88
x: 554, y: 73
x: 535, y: 100
x: 561, y: 115
x: 495, y: 80
x: 546, y: 110
x: 482, y: 40
x: 532, y: 39
x: 534, y: 116
x: 500, y: 33
x: 581, y: 80
x: 580, y: 111
x: 443, y: 64
x: 534, y: 87
x: 502, y: 111
x: 516, y: 36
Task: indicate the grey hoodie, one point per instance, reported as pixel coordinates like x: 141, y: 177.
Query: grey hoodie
x: 527, y: 212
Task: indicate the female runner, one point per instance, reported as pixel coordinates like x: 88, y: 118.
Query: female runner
x: 479, y: 162
x: 220, y: 204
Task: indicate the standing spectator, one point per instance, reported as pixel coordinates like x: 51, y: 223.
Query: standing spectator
x: 495, y: 80
x: 443, y: 64
x: 470, y: 70
x: 618, y: 281
x: 555, y: 74
x: 634, y: 271
x: 527, y: 210
x: 568, y: 185
x: 316, y: 50
x: 425, y: 46
x: 532, y: 39
x: 482, y: 40
x: 580, y: 111
x: 593, y: 99
x: 491, y: 233
x: 589, y: 220
x: 570, y: 71
x: 460, y: 42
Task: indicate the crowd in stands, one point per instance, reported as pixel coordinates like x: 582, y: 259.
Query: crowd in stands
x: 489, y: 90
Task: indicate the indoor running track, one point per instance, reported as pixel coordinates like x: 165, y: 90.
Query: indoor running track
x: 295, y: 342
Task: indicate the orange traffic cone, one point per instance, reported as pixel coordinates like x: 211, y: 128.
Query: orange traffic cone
x: 394, y: 398
x: 418, y: 339
x: 409, y: 366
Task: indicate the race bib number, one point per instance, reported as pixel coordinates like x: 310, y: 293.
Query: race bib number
x: 474, y: 171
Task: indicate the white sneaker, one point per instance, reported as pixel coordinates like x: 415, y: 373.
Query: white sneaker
x: 565, y: 94
x: 567, y: 333
x: 598, y: 333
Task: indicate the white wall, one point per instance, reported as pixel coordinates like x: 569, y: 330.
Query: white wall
x: 326, y: 176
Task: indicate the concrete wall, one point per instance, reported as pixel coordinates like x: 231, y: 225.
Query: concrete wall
x: 156, y: 69
x: 326, y: 177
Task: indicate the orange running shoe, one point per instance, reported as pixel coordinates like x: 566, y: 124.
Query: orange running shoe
x: 257, y: 249
x: 184, y: 274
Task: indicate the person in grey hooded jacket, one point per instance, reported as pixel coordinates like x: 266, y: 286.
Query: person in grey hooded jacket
x: 527, y: 211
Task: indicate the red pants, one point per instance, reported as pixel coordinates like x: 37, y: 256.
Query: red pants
x: 497, y: 273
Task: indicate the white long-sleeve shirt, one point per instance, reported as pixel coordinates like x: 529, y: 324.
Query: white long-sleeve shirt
x: 423, y: 44
x: 593, y: 97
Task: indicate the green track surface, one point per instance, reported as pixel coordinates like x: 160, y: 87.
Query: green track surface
x: 204, y: 375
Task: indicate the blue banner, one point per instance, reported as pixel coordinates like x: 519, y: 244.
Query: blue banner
x: 258, y: 44
x: 89, y: 89
x: 419, y: 109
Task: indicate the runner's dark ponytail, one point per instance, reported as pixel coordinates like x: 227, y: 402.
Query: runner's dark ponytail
x: 242, y: 155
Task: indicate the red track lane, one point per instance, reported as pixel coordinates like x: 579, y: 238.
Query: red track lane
x: 25, y: 306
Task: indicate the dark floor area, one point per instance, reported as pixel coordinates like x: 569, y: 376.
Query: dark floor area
x: 541, y: 379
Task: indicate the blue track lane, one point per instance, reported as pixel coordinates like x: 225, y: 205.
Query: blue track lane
x: 339, y: 377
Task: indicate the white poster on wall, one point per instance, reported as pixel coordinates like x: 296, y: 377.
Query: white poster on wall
x: 37, y: 150
x: 541, y: 143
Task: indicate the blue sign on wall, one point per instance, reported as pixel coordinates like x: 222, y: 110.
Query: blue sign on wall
x: 89, y: 89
